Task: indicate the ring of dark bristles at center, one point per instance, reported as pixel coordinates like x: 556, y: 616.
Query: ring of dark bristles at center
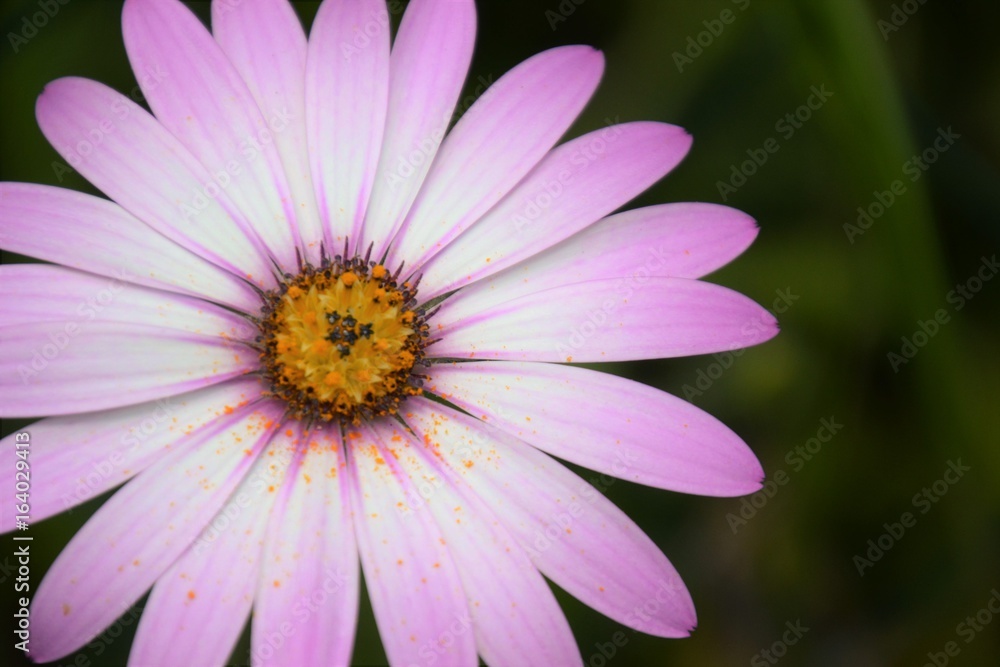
x: 345, y: 331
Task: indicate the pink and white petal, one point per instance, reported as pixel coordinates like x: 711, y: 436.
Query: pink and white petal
x: 79, y: 457
x: 57, y: 368
x: 606, y: 423
x: 573, y: 187
x: 310, y: 555
x: 571, y: 532
x: 682, y: 240
x: 265, y: 42
x: 495, y: 144
x: 514, y: 615
x: 95, y: 235
x: 139, y: 533
x: 35, y: 293
x: 120, y: 148
x: 430, y: 60
x: 605, y: 320
x: 197, y: 94
x: 685, y: 240
x: 198, y: 608
x: 415, y: 589
x: 347, y: 93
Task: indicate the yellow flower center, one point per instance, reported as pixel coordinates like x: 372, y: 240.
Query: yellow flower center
x: 341, y: 342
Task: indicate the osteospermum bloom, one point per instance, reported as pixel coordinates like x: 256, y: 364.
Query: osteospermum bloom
x: 316, y: 334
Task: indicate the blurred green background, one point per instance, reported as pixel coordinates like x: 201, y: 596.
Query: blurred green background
x: 846, y: 295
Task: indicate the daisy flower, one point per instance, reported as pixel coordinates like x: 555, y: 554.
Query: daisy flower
x: 320, y: 330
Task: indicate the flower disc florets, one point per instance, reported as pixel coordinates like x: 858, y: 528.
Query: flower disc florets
x: 341, y: 342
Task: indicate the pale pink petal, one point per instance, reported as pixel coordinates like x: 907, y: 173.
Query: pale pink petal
x: 347, y: 91
x: 265, y: 41
x: 96, y: 235
x: 198, y: 607
x: 495, y: 144
x: 514, y: 615
x: 197, y: 94
x: 139, y: 533
x: 79, y: 457
x: 573, y: 187
x: 430, y: 60
x: 605, y: 320
x: 120, y: 148
x: 306, y: 606
x: 34, y: 293
x: 671, y: 240
x: 605, y: 423
x: 571, y: 532
x: 415, y: 589
x: 58, y: 368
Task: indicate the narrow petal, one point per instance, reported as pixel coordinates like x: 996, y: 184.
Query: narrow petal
x: 266, y: 44
x: 347, y: 92
x: 139, y: 533
x: 95, y: 235
x: 515, y: 616
x: 669, y: 241
x: 199, y: 606
x: 197, y: 94
x: 33, y: 293
x: 606, y: 320
x: 573, y: 187
x: 120, y: 148
x: 430, y: 60
x: 606, y: 423
x: 82, y: 456
x: 415, y: 589
x: 57, y: 368
x: 306, y: 606
x: 572, y: 533
x: 495, y: 144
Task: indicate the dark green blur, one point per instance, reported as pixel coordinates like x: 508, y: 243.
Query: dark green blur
x: 847, y: 296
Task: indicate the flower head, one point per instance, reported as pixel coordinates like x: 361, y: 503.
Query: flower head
x: 315, y: 329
